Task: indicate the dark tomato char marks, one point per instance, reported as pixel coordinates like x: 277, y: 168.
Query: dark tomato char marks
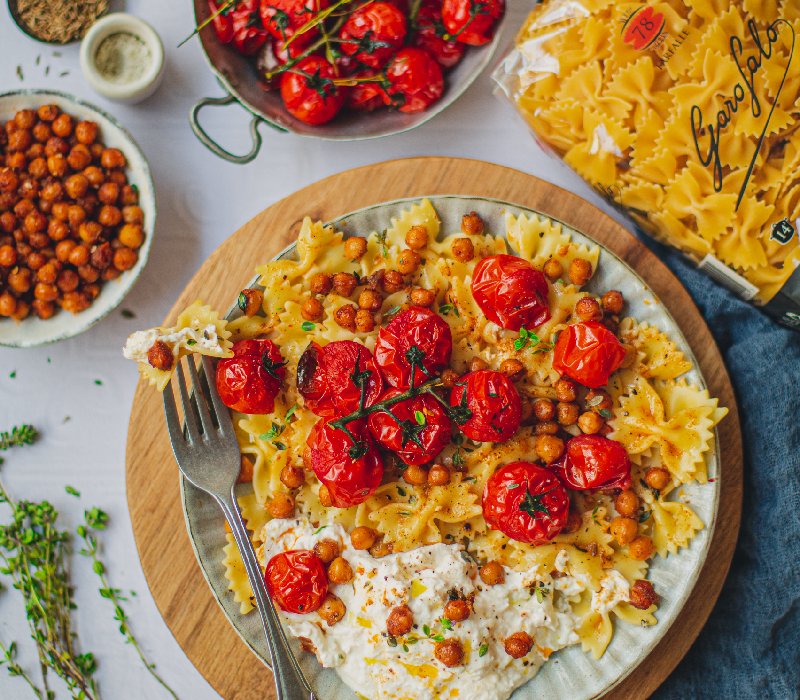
x: 486, y: 406
x: 249, y: 381
x: 297, y: 581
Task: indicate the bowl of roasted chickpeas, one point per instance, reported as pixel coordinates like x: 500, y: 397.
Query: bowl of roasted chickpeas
x: 77, y: 216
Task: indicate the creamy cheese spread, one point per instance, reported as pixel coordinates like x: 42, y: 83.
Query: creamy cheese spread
x: 614, y: 589
x: 379, y: 667
x: 191, y: 339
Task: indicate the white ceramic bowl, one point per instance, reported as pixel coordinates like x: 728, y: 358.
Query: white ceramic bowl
x: 32, y: 331
x: 135, y: 91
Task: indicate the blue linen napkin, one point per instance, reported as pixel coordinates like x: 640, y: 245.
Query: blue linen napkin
x: 750, y: 646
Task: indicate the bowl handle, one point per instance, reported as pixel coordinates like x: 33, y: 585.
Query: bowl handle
x: 212, y: 145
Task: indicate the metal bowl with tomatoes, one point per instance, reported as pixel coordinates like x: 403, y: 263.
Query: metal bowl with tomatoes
x: 343, y: 69
x: 541, y: 449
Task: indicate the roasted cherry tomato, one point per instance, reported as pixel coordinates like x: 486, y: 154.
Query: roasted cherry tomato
x: 416, y: 429
x: 416, y: 80
x: 249, y: 381
x: 366, y: 96
x: 326, y: 377
x: 594, y: 462
x: 372, y: 33
x: 417, y: 334
x: 526, y: 502
x: 249, y: 34
x: 510, y: 292
x: 351, y: 469
x: 283, y: 18
x: 297, y: 580
x: 486, y: 405
x: 472, y: 21
x: 309, y: 93
x: 589, y: 353
x: 223, y: 22
x: 430, y: 36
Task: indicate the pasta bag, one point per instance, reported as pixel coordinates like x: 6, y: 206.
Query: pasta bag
x: 685, y: 115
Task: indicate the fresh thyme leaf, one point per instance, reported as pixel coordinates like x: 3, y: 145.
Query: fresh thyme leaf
x: 605, y: 413
x: 595, y: 400
x: 72, y: 491
x: 391, y: 641
x: 241, y: 302
x: 412, y: 499
x: 280, y: 446
x: 20, y: 435
x: 437, y: 638
x: 420, y: 417
x: 401, y: 491
x: 13, y: 375
x: 191, y: 341
x: 513, y: 486
x: 392, y: 311
x: 411, y: 640
x: 320, y: 529
x: 405, y: 647
x: 541, y: 593
x: 484, y: 649
x: 290, y: 413
x: 127, y: 313
x: 446, y: 623
x: 426, y: 630
x: 644, y: 516
x: 308, y: 326
x: 98, y: 382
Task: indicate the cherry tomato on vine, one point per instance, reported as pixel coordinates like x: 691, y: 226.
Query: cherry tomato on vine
x: 297, y: 580
x: 526, y: 502
x: 328, y: 378
x: 416, y: 429
x: 429, y: 36
x: 366, y: 96
x: 309, y: 93
x: 594, y: 462
x: 486, y: 406
x: 589, y: 353
x: 472, y: 21
x: 283, y: 18
x: 416, y: 334
x: 510, y: 292
x: 223, y: 22
x: 249, y: 34
x: 372, y: 33
x: 351, y: 469
x: 249, y: 381
x: 416, y: 80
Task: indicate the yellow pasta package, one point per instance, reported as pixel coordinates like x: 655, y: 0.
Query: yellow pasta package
x: 684, y: 114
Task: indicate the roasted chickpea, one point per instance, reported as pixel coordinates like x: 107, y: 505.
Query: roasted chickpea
x: 64, y: 248
x: 590, y: 423
x: 131, y: 235
x: 117, y: 176
x: 449, y: 652
x: 312, y: 311
x: 627, y: 504
x: 112, y: 158
x: 91, y: 290
x: 355, y: 247
x: 9, y: 180
x: 549, y: 427
x: 96, y: 149
x: 408, y: 261
x: 613, y: 301
x: 657, y: 478
x: 19, y: 140
x: 392, y: 282
x: 16, y: 161
x: 8, y: 256
x: 68, y: 281
x: 88, y: 273
x: 75, y: 302
x: 62, y: 125
x: 246, y: 470
x: 109, y: 216
x: 567, y: 412
x: 580, y: 271
x: 439, y: 475
x: 553, y: 269
x: 587, y: 309
x: 513, y: 369
x: 476, y: 364
x: 79, y: 157
x: 79, y: 255
x: 574, y: 522
x: 449, y: 378
x: 611, y: 325
x: 332, y: 609
x: 640, y: 548
x: 19, y: 279
x: 544, y: 410
x: 492, y: 573
x: 472, y: 224
x: 35, y: 260
x: 417, y: 237
x: 423, y: 297
x: 8, y: 304
x: 346, y: 317
x: 566, y: 390
x: 549, y: 448
x: 340, y: 571
x: 8, y: 221
x: 124, y: 258
x: 52, y: 192
x: 108, y: 193
x: 526, y: 411
x: 319, y: 283
x: 42, y: 132
x: 76, y: 215
x: 370, y: 300
x: 24, y: 207
x: 129, y: 195
x: 292, y: 477
x: 381, y: 548
x: 362, y: 537
x: 22, y: 310
x: 35, y: 222
x: 281, y: 506
x: 327, y: 550
x: 48, y: 113
x: 43, y: 309
x: 400, y: 621
x: 463, y: 250
x: 37, y: 169
x: 624, y: 529
x: 518, y: 645
x: 109, y: 273
x: 55, y: 146
x: 86, y: 132
x: 48, y: 273
x: 457, y: 610
x: 25, y: 119
x: 325, y: 498
x: 365, y: 323
x: 57, y: 165
x: 90, y: 232
x: 344, y: 283
x: 160, y: 356
x: 415, y: 475
x: 94, y: 175
x: 643, y: 595
x: 250, y: 301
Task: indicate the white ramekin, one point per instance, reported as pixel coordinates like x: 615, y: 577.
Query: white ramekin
x: 137, y: 90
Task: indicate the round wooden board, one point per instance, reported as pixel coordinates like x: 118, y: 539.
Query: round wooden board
x: 172, y: 572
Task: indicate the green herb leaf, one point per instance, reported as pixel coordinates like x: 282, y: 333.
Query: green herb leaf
x: 320, y: 529
x: 426, y: 630
x: 447, y: 624
x: 127, y: 313
x: 595, y: 400
x: 191, y: 341
x: 605, y: 413
x: 484, y: 649
x: 644, y: 516
x: 541, y: 593
x: 401, y: 491
x: 420, y: 417
x: 13, y: 375
x: 72, y: 491
x: 391, y: 641
x: 98, y: 382
x: 308, y: 326
x: 280, y: 446
x: 437, y: 638
x: 533, y: 504
x: 513, y: 486
x: 405, y: 647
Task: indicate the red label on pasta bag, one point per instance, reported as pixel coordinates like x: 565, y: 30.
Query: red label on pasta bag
x: 643, y: 28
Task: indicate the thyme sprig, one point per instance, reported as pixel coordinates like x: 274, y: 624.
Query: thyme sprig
x: 221, y: 11
x: 96, y: 519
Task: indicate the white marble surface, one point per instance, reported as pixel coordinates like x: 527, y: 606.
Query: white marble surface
x: 201, y: 201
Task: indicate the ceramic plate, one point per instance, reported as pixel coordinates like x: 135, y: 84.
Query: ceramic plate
x: 569, y: 672
x: 33, y: 331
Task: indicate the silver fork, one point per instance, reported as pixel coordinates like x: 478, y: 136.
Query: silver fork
x: 208, y: 456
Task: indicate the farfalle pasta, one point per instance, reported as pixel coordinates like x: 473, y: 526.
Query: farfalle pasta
x: 685, y: 115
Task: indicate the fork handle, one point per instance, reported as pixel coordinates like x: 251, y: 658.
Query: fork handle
x: 290, y: 681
